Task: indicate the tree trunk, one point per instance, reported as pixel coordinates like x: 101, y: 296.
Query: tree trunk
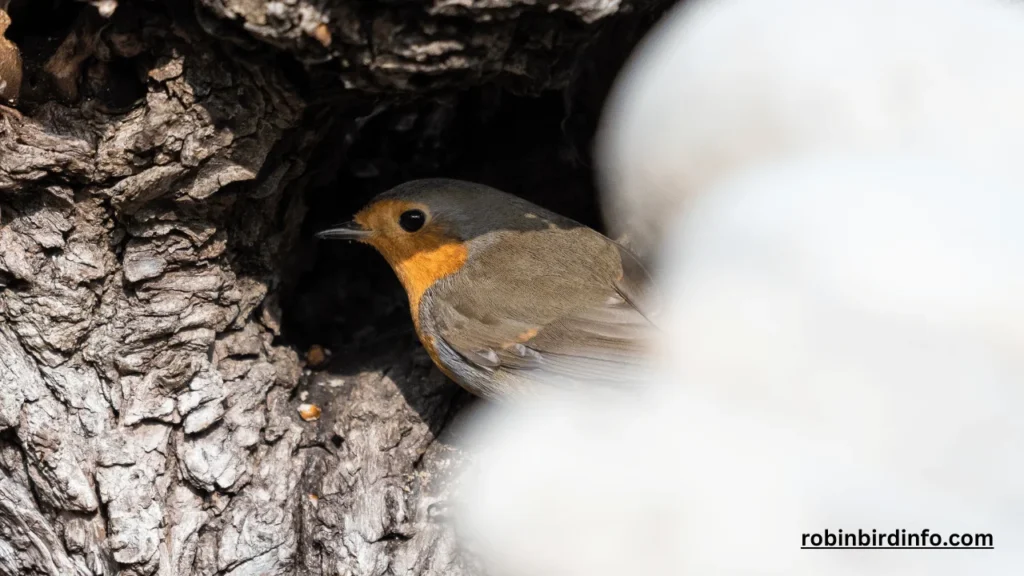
x: 159, y: 289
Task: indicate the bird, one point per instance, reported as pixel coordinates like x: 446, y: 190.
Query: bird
x: 10, y: 64
x: 504, y: 294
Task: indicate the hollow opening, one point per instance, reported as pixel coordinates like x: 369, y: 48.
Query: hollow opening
x: 342, y: 295
x: 348, y: 299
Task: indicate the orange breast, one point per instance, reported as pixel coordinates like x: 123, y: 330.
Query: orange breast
x: 419, y: 260
x: 420, y: 270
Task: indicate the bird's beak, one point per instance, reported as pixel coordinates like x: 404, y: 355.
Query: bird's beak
x: 351, y: 230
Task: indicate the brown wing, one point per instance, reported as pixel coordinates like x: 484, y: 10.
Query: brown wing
x: 568, y: 312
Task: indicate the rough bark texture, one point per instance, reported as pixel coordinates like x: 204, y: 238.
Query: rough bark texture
x: 158, y: 287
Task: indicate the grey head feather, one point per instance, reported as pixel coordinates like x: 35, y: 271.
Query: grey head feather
x: 466, y: 210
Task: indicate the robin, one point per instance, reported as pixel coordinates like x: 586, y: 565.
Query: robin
x: 10, y: 62
x: 506, y: 295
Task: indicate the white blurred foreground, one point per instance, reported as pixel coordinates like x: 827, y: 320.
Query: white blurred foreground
x: 845, y: 336
x: 844, y: 352
x: 721, y: 85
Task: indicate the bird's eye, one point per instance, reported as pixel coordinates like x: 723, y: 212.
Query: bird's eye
x: 412, y: 220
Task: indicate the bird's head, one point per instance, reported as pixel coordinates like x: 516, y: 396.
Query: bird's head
x: 424, y: 216
x: 423, y: 227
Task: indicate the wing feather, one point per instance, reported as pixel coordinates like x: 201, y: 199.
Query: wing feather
x: 599, y: 334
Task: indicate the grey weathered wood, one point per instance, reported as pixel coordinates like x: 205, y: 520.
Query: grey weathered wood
x: 148, y: 419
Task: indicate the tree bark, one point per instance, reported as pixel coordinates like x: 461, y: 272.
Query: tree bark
x: 159, y: 290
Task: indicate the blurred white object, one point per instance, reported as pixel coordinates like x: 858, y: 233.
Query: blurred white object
x: 845, y: 350
x: 863, y: 320
x: 845, y: 328
x: 723, y: 85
